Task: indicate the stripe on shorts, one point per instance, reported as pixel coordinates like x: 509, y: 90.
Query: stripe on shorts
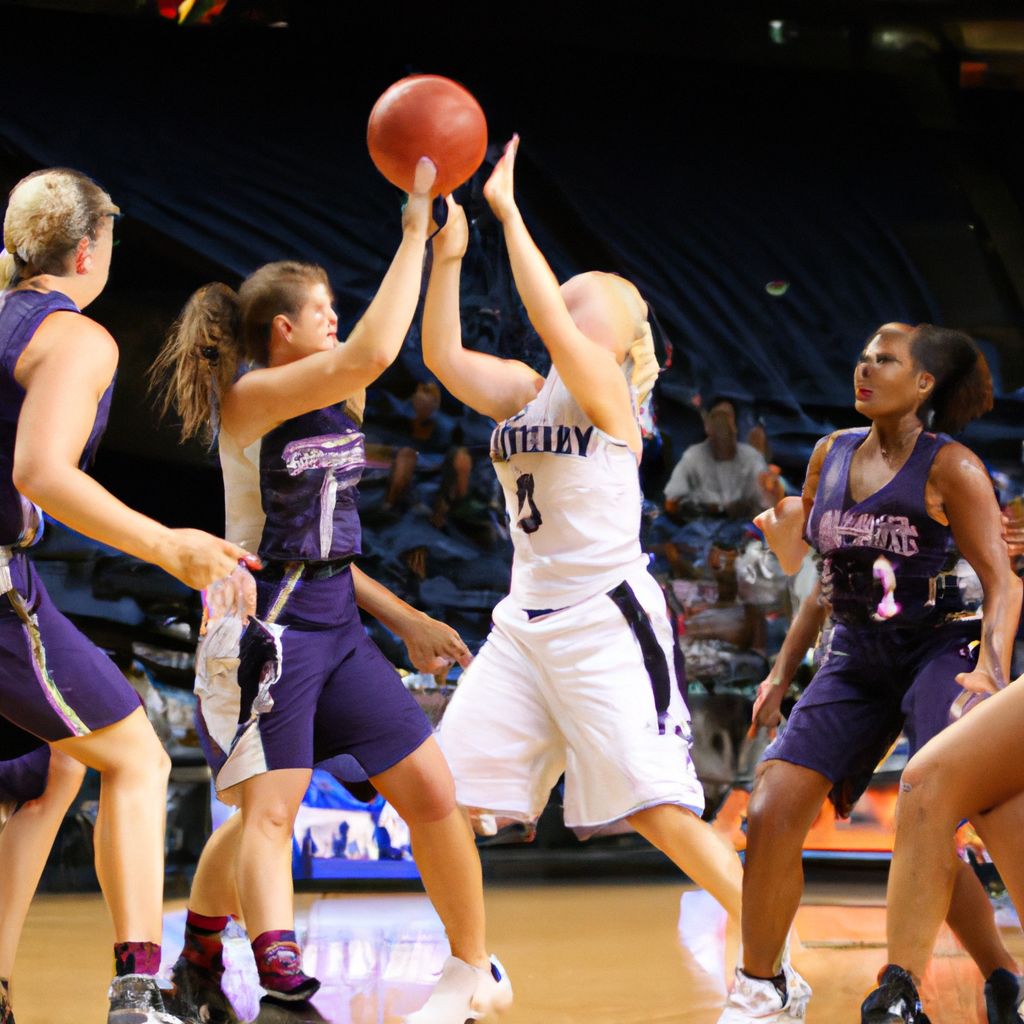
x: 37, y: 652
x: 654, y: 657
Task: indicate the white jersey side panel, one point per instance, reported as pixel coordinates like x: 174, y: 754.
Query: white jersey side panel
x: 573, y: 499
x: 243, y: 505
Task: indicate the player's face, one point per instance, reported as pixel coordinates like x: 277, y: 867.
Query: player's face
x: 315, y: 329
x: 886, y: 382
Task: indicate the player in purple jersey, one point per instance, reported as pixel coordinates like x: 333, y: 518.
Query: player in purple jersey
x: 299, y: 684
x: 883, y: 507
x: 56, y: 377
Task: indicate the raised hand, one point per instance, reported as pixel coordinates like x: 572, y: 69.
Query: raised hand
x: 199, y: 559
x: 416, y: 216
x: 500, y: 188
x: 450, y: 242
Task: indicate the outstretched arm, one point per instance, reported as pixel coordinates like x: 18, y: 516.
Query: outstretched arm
x: 498, y: 388
x: 64, y: 370
x: 970, y: 505
x: 591, y: 373
x: 432, y: 645
x: 265, y: 398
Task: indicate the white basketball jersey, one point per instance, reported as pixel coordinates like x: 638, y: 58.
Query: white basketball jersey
x: 573, y: 498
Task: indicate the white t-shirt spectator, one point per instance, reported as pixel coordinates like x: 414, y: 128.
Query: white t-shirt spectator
x: 701, y: 478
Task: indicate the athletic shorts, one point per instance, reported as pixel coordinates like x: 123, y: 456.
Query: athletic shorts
x: 54, y: 683
x: 24, y: 765
x: 302, y: 687
x: 590, y: 690
x: 874, y: 684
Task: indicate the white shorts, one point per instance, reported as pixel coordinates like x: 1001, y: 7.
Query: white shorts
x: 572, y: 691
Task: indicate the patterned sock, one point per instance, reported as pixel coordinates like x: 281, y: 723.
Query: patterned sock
x: 6, y: 1016
x: 203, y: 945
x: 279, y: 962
x: 136, y: 958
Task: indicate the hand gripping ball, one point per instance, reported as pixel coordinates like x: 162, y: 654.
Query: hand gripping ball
x: 432, y: 116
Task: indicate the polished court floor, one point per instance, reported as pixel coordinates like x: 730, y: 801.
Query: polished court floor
x: 600, y: 954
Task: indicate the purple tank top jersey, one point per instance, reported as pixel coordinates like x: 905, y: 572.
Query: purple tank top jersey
x: 309, y: 469
x: 894, y: 523
x: 21, y: 313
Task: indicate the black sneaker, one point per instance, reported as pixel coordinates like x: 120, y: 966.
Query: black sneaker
x: 272, y: 1012
x: 1002, y: 996
x: 6, y: 1013
x: 299, y: 994
x: 139, y: 999
x: 895, y: 1001
x: 197, y: 994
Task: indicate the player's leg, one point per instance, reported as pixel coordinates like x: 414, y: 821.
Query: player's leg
x: 927, y: 705
x: 786, y: 799
x: 129, y: 833
x: 505, y: 755
x: 421, y: 789
x: 28, y: 835
x: 704, y: 855
x: 965, y: 770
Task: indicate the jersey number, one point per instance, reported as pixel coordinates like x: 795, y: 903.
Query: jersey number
x: 524, y: 492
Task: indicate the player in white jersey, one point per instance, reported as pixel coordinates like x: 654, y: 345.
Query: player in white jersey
x: 578, y: 672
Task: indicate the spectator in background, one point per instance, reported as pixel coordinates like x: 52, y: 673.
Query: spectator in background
x: 719, y: 476
x: 431, y: 439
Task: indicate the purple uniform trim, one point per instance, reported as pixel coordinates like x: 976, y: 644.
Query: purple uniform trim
x: 874, y: 684
x: 54, y: 683
x: 336, y: 694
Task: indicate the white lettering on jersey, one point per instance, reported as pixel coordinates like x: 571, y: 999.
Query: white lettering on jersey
x: 863, y: 530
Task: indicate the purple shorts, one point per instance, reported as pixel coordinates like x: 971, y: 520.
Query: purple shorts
x: 24, y: 764
x: 337, y: 703
x: 54, y: 682
x: 874, y: 684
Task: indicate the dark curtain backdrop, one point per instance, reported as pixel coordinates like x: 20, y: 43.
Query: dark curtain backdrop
x: 702, y: 184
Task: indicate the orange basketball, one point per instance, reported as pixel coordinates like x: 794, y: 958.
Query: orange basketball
x: 427, y: 115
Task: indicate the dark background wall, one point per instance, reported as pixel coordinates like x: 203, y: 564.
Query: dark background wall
x: 702, y: 152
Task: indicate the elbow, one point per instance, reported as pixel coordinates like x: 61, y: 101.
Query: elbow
x: 32, y: 479
x: 378, y: 362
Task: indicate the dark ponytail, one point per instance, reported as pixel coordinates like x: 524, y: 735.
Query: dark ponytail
x: 219, y: 331
x: 963, y: 383
x: 199, y: 359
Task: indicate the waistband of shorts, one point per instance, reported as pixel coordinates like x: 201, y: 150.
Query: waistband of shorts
x: 274, y: 571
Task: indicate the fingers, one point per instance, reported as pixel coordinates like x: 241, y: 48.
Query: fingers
x: 249, y: 560
x: 423, y: 180
x: 511, y: 148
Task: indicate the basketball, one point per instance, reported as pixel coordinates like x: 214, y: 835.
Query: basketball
x: 432, y: 116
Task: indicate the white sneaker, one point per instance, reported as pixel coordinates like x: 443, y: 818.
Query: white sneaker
x: 798, y: 989
x: 757, y: 999
x: 465, y: 993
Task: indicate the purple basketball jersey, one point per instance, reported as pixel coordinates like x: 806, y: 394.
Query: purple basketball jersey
x: 309, y: 469
x: 892, y: 522
x: 21, y: 313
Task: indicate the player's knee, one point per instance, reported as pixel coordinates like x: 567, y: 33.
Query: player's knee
x: 66, y: 774
x: 273, y: 819
x: 433, y: 801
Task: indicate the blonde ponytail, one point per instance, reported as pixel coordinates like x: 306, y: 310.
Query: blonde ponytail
x: 199, y: 360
